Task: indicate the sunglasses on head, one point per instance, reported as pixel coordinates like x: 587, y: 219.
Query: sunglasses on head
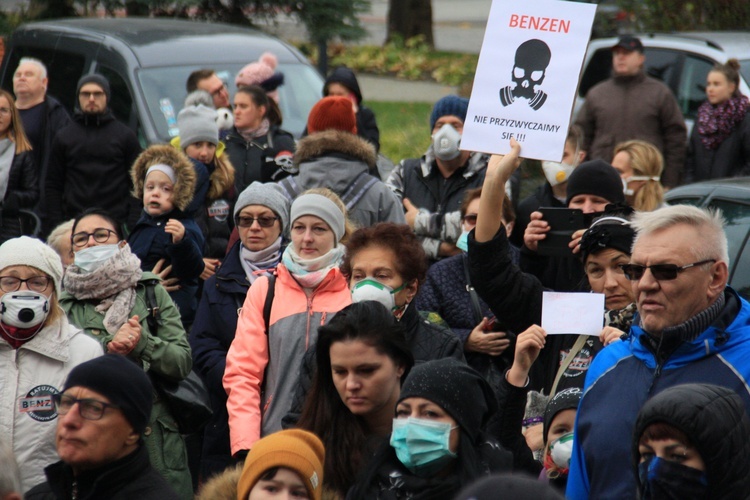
x: 660, y: 272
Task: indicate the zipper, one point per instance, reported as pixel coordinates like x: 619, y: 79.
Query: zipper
x: 309, y: 316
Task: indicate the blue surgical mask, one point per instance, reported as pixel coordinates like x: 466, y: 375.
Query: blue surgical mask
x: 423, y: 446
x: 372, y: 289
x: 91, y: 258
x: 463, y: 241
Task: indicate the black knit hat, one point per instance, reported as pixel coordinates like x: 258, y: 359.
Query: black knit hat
x: 598, y: 178
x: 449, y: 105
x: 121, y: 381
x: 457, y: 388
x: 611, y: 230
x: 97, y: 79
x: 564, y: 400
x: 517, y: 487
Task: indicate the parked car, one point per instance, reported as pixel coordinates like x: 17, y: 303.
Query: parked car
x: 147, y: 62
x: 680, y: 60
x: 732, y: 197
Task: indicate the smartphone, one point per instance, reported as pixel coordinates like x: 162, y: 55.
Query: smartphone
x: 563, y: 222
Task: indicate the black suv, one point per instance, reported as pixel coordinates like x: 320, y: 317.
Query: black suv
x: 147, y: 62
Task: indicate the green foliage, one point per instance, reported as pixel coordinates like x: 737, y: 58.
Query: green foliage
x: 410, y: 60
x: 689, y: 15
x: 404, y: 128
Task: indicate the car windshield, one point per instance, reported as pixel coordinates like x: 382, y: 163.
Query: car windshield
x: 164, y: 92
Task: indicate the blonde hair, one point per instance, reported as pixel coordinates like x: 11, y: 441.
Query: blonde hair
x: 15, y: 131
x: 222, y: 178
x: 349, y: 226
x: 646, y: 160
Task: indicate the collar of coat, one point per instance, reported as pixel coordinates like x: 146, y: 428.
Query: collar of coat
x: 338, y: 142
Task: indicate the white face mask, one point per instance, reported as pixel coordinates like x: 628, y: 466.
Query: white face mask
x: 556, y: 172
x: 561, y: 449
x: 92, y: 258
x: 446, y: 143
x: 24, y: 308
x: 633, y: 178
x: 372, y: 289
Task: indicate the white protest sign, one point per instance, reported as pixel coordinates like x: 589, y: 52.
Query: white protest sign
x: 580, y: 313
x: 527, y: 76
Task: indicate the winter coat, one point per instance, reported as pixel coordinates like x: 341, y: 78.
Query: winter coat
x: 22, y: 192
x: 264, y: 159
x: 637, y: 107
x: 420, y: 180
x: 715, y: 421
x: 541, y: 197
x: 516, y: 299
x: 90, y: 167
x: 212, y: 333
x: 730, y: 159
x: 150, y: 242
x: 625, y: 374
x: 130, y: 477
x: 166, y: 353
x: 270, y: 360
x: 29, y: 376
x: 340, y: 161
x: 367, y: 128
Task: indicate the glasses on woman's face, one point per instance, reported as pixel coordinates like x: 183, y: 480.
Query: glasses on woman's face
x: 100, y: 234
x: 90, y: 409
x: 470, y: 219
x: 10, y: 284
x: 263, y: 221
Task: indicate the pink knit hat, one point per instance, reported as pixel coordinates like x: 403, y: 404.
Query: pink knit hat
x: 262, y: 73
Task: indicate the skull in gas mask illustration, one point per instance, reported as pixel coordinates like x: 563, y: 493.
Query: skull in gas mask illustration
x: 532, y: 59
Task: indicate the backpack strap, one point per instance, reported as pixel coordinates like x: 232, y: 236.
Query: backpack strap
x: 357, y: 189
x: 154, y: 313
x: 291, y: 189
x: 269, y: 301
x: 475, y: 306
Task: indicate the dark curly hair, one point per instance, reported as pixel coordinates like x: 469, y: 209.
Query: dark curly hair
x: 411, y: 260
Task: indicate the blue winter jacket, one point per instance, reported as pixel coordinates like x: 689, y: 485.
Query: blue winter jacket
x: 625, y: 374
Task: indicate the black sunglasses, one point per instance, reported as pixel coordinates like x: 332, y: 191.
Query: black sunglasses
x: 470, y: 218
x: 263, y: 221
x: 660, y: 272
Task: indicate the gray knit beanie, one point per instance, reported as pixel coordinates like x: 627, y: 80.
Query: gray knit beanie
x: 269, y: 195
x: 97, y: 79
x: 323, y: 208
x: 197, y: 123
x: 25, y: 251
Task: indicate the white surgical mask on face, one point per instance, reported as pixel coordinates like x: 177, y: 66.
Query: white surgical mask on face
x: 561, y: 449
x: 558, y: 172
x: 446, y: 143
x: 372, y: 289
x: 633, y: 178
x: 92, y: 258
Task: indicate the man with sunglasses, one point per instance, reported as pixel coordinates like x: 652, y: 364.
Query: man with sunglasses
x: 103, y: 412
x: 90, y: 160
x: 691, y: 327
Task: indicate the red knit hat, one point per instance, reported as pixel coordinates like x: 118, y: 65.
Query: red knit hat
x: 332, y: 112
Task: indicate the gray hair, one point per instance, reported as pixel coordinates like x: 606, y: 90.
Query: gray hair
x: 10, y: 478
x: 55, y: 238
x: 36, y: 62
x: 713, y: 241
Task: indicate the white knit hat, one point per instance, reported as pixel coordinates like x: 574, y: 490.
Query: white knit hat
x: 25, y: 251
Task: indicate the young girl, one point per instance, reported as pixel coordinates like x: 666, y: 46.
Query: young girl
x: 165, y: 179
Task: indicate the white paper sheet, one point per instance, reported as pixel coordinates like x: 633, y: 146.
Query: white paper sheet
x: 577, y: 313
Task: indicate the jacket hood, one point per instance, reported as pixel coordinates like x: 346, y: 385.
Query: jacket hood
x: 335, y: 141
x: 183, y: 169
x: 715, y: 421
x: 344, y: 76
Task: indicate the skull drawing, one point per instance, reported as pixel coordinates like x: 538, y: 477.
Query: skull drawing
x: 532, y: 58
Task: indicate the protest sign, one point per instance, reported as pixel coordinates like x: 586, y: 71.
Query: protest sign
x: 527, y: 75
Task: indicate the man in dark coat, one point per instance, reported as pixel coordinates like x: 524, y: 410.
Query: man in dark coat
x: 102, y: 414
x: 91, y: 159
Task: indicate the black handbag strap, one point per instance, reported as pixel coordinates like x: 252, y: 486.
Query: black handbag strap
x: 154, y: 314
x: 269, y: 301
x: 475, y: 307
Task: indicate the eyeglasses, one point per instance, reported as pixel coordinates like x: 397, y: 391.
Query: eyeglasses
x: 90, y: 409
x: 100, y: 234
x: 4, y: 111
x: 263, y: 221
x: 88, y: 95
x: 35, y: 283
x: 661, y: 272
x: 470, y: 218
x: 219, y: 90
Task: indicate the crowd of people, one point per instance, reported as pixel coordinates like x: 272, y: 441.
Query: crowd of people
x: 365, y: 337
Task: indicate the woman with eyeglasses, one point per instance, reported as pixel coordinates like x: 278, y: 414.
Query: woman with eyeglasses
x: 38, y: 348
x: 261, y: 216
x: 257, y: 146
x: 279, y: 320
x: 110, y: 298
x: 19, y: 178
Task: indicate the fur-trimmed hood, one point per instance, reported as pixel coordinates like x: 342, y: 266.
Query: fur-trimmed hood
x: 183, y: 169
x: 335, y: 141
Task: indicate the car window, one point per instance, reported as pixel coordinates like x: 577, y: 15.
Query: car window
x: 691, y: 91
x: 164, y: 92
x: 745, y: 69
x: 598, y: 69
x: 121, y: 102
x: 662, y: 64
x: 737, y: 216
x: 687, y: 200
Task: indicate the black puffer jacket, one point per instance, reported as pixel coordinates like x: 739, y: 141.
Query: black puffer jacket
x: 367, y: 128
x: 715, y: 421
x: 22, y: 192
x: 730, y: 159
x: 264, y: 159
